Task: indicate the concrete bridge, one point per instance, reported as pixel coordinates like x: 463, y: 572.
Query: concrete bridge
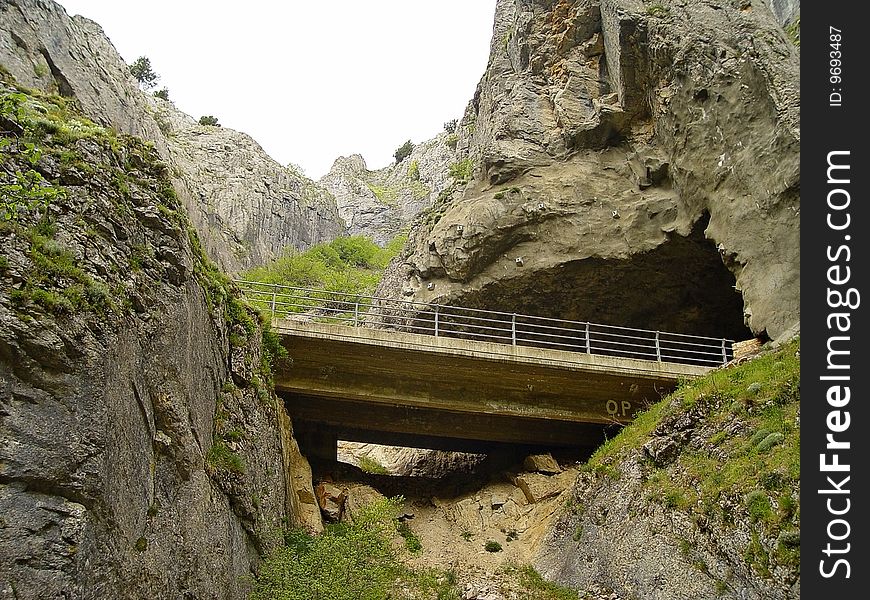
x: 464, y: 379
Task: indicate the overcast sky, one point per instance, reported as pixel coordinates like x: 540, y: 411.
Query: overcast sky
x: 310, y: 80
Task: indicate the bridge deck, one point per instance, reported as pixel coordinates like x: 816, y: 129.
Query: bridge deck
x: 360, y: 380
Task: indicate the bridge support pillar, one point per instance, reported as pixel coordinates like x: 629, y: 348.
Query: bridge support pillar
x: 318, y: 445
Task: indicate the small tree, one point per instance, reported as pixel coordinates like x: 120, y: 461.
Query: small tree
x: 163, y: 94
x: 144, y: 74
x: 209, y: 120
x: 450, y: 126
x: 404, y: 151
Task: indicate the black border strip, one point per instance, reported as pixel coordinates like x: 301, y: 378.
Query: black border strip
x: 834, y: 264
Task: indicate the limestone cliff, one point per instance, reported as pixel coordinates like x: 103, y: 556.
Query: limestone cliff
x: 380, y: 204
x: 141, y: 451
x: 246, y: 207
x: 636, y: 163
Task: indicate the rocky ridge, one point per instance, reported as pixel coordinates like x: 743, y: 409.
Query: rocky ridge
x: 619, y: 145
x: 380, y: 204
x: 246, y: 207
x: 142, y: 452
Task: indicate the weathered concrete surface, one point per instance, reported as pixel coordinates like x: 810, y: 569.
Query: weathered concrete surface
x: 360, y: 378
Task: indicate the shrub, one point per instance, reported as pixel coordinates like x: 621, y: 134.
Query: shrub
x: 209, y: 120
x: 370, y: 465
x: 163, y: 94
x: 414, y: 170
x: 403, y: 151
x: 351, y: 265
x: 144, y: 74
x: 462, y: 171
x: 492, y: 546
x: 452, y: 141
x: 450, y: 126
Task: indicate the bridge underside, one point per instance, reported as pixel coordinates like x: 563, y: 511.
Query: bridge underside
x: 318, y: 421
x: 421, y: 391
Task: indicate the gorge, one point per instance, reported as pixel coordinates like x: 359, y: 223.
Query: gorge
x: 623, y: 162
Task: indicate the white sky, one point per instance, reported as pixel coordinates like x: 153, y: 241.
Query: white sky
x: 310, y: 80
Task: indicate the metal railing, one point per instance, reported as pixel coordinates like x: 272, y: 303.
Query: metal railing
x: 356, y: 310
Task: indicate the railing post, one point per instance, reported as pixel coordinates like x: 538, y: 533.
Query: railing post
x: 724, y: 353
x: 588, y: 342
x: 436, y: 320
x: 658, y: 348
x: 514, y: 329
x: 274, y: 298
x: 356, y: 315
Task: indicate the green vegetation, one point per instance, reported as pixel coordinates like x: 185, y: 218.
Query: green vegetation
x: 209, y: 120
x: 535, y: 587
x: 452, y: 141
x: 450, y: 126
x: 355, y: 561
x: 403, y: 151
x: 462, y: 171
x: 221, y: 458
x: 658, y: 10
x: 384, y: 194
x: 22, y: 188
x: 141, y: 544
x: 143, y: 73
x: 506, y: 38
x: 162, y: 94
x: 369, y: 465
x: 350, y: 265
x: 793, y: 31
x: 756, y: 467
x: 492, y: 546
x: 414, y: 171
x: 412, y: 540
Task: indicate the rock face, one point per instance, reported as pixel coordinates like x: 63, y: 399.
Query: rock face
x: 141, y: 454
x: 409, y: 462
x: 642, y: 162
x: 380, y: 204
x: 246, y: 207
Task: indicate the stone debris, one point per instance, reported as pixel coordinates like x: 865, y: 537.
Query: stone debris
x: 542, y: 463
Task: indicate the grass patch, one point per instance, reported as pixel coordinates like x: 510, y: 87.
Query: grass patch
x: 755, y: 466
x: 349, y: 561
x: 221, y: 459
x: 412, y: 540
x: 535, y: 587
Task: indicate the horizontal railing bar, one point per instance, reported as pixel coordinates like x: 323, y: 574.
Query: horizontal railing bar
x: 605, y: 349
